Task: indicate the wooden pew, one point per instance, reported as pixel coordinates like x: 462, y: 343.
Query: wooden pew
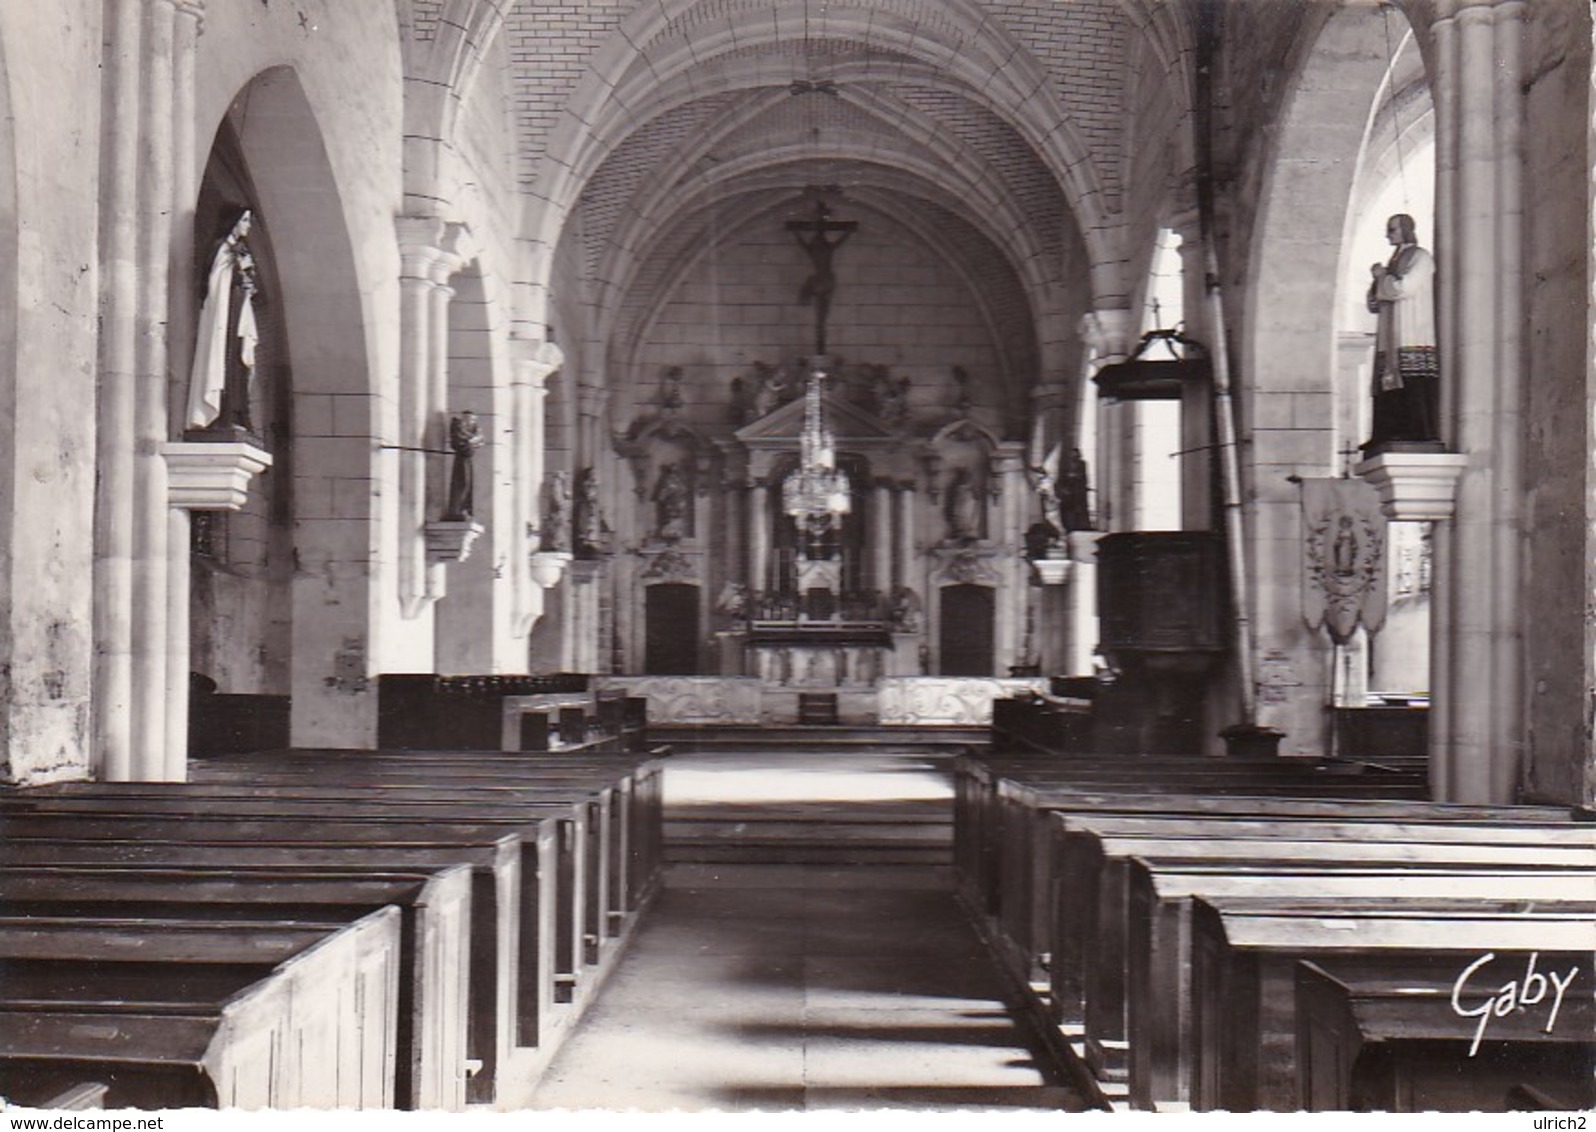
x: 1244, y: 958
x: 1042, y: 801
x: 979, y: 802
x: 434, y: 940
x: 598, y: 845
x: 1002, y: 838
x: 635, y: 802
x: 619, y: 793
x: 1157, y: 946
x: 1019, y: 858
x: 316, y: 1029
x: 1092, y: 905
x: 621, y: 782
x: 633, y: 805
x: 1385, y: 1036
x: 498, y: 999
x: 630, y: 873
x: 80, y: 1097
x: 1089, y: 950
x: 583, y: 815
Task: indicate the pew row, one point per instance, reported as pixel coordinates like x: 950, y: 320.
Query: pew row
x: 1385, y: 1036
x: 434, y: 943
x: 315, y: 1025
x: 1245, y: 955
x: 1095, y: 853
x: 1158, y: 994
x: 570, y: 848
x: 1066, y: 936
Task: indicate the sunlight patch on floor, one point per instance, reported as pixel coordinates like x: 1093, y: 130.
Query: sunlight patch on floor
x: 724, y: 778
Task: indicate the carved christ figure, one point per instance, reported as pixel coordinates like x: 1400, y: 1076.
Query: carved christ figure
x: 233, y: 267
x: 820, y: 237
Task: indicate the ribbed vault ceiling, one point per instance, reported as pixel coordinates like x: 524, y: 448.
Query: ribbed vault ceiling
x: 993, y: 127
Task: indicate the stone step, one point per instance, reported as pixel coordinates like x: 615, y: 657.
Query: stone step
x: 790, y: 854
x: 839, y: 813
x: 893, y: 739
x: 735, y: 833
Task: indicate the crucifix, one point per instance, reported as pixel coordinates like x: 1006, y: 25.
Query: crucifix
x: 820, y: 237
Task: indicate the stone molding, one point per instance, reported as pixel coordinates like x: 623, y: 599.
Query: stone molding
x: 450, y: 540
x: 211, y: 477
x: 1415, y: 486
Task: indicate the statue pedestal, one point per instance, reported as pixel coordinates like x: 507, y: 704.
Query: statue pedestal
x: 1083, y: 545
x: 450, y: 540
x: 548, y: 567
x: 1414, y: 486
x: 1052, y: 571
x: 212, y: 477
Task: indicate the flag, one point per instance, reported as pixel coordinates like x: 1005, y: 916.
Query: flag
x: 1344, y: 556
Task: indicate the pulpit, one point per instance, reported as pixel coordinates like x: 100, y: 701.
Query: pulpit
x: 1161, y: 598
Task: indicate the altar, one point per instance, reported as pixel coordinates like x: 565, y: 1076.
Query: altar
x: 731, y: 701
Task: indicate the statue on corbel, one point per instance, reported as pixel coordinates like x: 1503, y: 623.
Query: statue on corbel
x: 211, y: 468
x: 965, y: 509
x: 886, y: 397
x: 592, y: 533
x: 673, y: 504
x: 221, y: 381
x: 555, y: 535
x: 465, y: 437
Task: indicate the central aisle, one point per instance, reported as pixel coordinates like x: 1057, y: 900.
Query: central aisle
x: 803, y: 986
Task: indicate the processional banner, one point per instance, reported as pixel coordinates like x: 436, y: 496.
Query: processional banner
x: 1344, y: 556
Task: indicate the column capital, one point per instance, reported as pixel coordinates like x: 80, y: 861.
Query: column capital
x: 424, y: 241
x: 1047, y: 396
x: 194, y: 9
x: 538, y: 362
x: 455, y: 250
x: 1478, y: 9
x: 1107, y: 332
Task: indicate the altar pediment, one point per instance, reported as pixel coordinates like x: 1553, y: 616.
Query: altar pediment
x: 849, y: 423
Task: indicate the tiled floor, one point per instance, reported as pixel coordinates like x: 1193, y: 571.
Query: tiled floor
x: 771, y: 987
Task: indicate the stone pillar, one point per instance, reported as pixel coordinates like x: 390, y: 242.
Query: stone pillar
x: 440, y: 405
x: 881, y: 536
x: 758, y: 536
x: 591, y: 402
x: 1013, y: 497
x: 1477, y: 656
x: 421, y: 241
x: 905, y: 549
x: 1107, y: 334
x: 180, y: 323
x: 1108, y: 340
x: 114, y: 509
x: 151, y: 423
x: 1197, y: 463
x: 1013, y: 595
x: 531, y: 375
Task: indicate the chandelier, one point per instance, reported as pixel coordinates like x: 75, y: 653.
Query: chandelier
x: 818, y: 492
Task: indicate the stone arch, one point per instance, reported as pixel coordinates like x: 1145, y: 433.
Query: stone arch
x: 1016, y: 360
x: 972, y: 53
x: 337, y: 407
x: 1307, y: 198
x: 441, y: 71
x: 1288, y: 329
